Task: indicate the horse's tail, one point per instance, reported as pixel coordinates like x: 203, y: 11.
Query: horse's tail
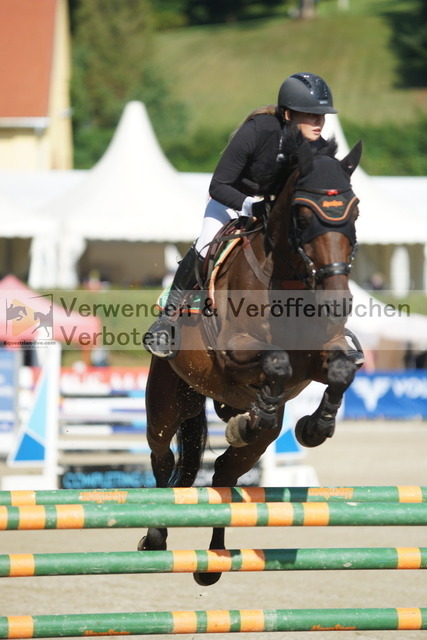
x: 191, y: 440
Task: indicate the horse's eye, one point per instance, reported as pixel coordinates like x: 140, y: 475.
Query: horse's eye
x: 303, y: 218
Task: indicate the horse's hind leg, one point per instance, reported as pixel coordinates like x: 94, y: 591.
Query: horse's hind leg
x: 170, y: 403
x: 229, y: 467
x: 313, y: 430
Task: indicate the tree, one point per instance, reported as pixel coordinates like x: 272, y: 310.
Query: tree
x: 169, y: 13
x: 111, y: 66
x: 411, y: 42
x: 220, y: 11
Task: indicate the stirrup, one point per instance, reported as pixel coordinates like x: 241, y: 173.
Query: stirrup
x: 162, y: 338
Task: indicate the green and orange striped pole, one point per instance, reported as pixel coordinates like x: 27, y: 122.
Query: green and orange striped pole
x: 216, y: 621
x: 217, y: 495
x: 191, y: 561
x: 91, y: 516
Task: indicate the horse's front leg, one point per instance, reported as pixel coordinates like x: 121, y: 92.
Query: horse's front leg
x: 167, y: 399
x: 245, y: 428
x: 229, y: 467
x: 162, y: 464
x: 313, y: 430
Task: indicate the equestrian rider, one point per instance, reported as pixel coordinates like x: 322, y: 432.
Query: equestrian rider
x: 246, y: 170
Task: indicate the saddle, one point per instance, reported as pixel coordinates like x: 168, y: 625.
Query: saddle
x: 220, y: 248
x: 222, y: 244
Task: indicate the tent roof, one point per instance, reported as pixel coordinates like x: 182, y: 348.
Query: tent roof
x: 133, y: 192
x: 36, y: 189
x: 19, y: 221
x: 408, y: 192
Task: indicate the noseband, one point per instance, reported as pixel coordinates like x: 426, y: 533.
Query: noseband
x: 316, y: 276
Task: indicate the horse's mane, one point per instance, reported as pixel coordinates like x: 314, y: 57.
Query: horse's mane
x: 292, y: 140
x: 287, y: 159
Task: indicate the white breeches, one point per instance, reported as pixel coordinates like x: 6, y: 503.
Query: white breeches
x: 216, y: 216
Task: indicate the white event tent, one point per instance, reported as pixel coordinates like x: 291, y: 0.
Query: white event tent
x: 132, y: 194
x: 381, y: 219
x: 375, y: 322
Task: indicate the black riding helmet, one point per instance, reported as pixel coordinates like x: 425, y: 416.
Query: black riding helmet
x: 306, y: 92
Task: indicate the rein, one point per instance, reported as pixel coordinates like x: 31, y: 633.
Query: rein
x: 233, y: 236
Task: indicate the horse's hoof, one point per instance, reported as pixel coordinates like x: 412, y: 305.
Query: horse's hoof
x: 341, y: 371
x: 236, y: 431
x: 153, y: 541
x: 142, y: 544
x: 308, y: 437
x: 206, y: 579
x: 276, y: 365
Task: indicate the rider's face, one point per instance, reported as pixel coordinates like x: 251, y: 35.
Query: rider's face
x: 310, y: 124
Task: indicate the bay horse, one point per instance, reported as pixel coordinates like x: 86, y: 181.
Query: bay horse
x: 249, y: 360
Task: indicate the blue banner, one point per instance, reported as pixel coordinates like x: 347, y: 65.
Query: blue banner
x: 8, y: 389
x: 393, y: 395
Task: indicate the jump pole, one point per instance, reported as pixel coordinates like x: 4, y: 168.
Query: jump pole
x: 94, y: 516
x: 215, y: 495
x: 190, y: 561
x: 222, y: 621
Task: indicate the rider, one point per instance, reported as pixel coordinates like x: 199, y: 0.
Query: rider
x: 247, y: 168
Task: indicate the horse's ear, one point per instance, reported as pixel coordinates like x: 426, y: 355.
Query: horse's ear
x: 350, y: 162
x: 305, y: 158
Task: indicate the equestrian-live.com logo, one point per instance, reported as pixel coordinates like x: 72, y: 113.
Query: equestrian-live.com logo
x: 28, y: 319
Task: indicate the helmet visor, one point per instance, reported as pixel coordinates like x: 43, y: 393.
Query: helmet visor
x: 322, y: 109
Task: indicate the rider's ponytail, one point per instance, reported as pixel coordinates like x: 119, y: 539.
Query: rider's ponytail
x: 269, y: 109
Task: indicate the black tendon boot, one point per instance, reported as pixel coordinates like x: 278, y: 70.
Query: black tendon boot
x: 162, y: 338
x: 355, y: 351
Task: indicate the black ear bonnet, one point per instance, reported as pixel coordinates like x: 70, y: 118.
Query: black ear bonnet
x: 332, y: 207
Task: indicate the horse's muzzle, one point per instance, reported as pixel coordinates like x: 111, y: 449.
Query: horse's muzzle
x: 335, y: 305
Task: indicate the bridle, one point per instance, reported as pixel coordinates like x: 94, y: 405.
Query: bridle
x: 331, y: 211
x: 315, y: 276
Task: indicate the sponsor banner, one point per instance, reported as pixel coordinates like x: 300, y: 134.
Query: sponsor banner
x: 103, y: 380
x: 136, y: 477
x: 394, y: 395
x: 87, y: 381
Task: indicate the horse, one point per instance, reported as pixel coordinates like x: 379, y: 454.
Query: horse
x: 45, y: 320
x: 251, y: 363
x: 15, y: 313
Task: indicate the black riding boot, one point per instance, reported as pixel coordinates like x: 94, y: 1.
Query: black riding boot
x: 162, y: 338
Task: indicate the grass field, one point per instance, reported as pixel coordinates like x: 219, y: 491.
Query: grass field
x: 222, y: 72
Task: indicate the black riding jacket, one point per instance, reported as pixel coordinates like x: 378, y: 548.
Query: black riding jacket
x: 249, y: 163
x: 259, y: 157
